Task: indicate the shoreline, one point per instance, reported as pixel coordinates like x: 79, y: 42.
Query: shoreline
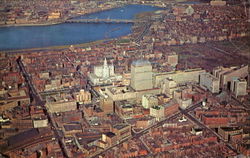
x: 27, y: 25
x: 61, y: 21
x: 58, y: 47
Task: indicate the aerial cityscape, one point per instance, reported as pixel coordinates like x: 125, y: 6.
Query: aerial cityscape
x: 125, y: 79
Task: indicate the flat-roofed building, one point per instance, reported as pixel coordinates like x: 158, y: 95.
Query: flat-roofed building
x: 157, y: 112
x: 239, y: 87
x: 13, y: 98
x: 124, y: 109
x: 149, y: 100
x: 110, y: 138
x: 141, y: 75
x: 180, y: 77
x: 83, y: 97
x: 70, y: 129
x: 120, y: 93
x: 226, y: 132
x: 184, y: 103
x: 210, y: 82
x: 107, y: 105
x: 121, y: 130
x: 172, y: 59
x: 168, y: 86
x: 61, y: 106
x: 170, y: 108
x: 215, y: 121
x: 226, y: 75
x: 38, y: 123
x: 145, y: 122
x: 218, y: 3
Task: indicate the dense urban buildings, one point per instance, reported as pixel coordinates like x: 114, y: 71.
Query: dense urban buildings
x: 177, y: 86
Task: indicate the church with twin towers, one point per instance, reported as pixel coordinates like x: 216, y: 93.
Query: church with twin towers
x: 104, y: 74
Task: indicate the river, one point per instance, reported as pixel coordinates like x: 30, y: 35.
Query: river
x: 22, y: 37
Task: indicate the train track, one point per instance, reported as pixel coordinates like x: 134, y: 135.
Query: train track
x: 31, y: 142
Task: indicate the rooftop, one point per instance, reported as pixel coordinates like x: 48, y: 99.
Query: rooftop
x: 120, y: 126
x: 141, y: 63
x: 110, y: 134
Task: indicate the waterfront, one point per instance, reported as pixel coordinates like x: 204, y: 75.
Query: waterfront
x: 66, y: 34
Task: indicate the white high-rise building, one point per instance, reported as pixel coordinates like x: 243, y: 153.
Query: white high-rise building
x: 141, y: 75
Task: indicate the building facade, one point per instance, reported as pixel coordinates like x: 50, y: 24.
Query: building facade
x: 149, y: 100
x: 141, y: 75
x: 104, y: 74
x: 191, y: 75
x: 226, y: 75
x: 210, y: 82
x: 239, y: 87
x: 158, y: 112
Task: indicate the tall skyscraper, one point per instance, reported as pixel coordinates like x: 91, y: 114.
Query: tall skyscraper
x: 141, y: 75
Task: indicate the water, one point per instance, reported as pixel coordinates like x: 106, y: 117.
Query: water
x: 127, y: 12
x: 191, y: 2
x: 70, y: 33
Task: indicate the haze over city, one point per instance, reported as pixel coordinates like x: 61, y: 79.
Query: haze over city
x: 124, y: 79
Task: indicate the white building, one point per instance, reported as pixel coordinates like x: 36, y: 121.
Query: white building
x: 104, y: 74
x: 239, y: 87
x: 149, y: 100
x: 38, y: 123
x: 141, y: 75
x: 157, y: 112
x: 105, y: 70
x: 184, y: 103
x: 210, y: 82
x: 168, y: 86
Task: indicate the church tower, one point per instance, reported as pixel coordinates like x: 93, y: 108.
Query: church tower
x: 111, y: 70
x: 105, y: 69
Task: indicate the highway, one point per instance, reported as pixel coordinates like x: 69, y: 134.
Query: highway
x: 144, y: 32
x: 26, y: 144
x: 43, y: 139
x: 147, y: 26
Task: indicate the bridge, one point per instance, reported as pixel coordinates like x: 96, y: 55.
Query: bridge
x: 102, y: 21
